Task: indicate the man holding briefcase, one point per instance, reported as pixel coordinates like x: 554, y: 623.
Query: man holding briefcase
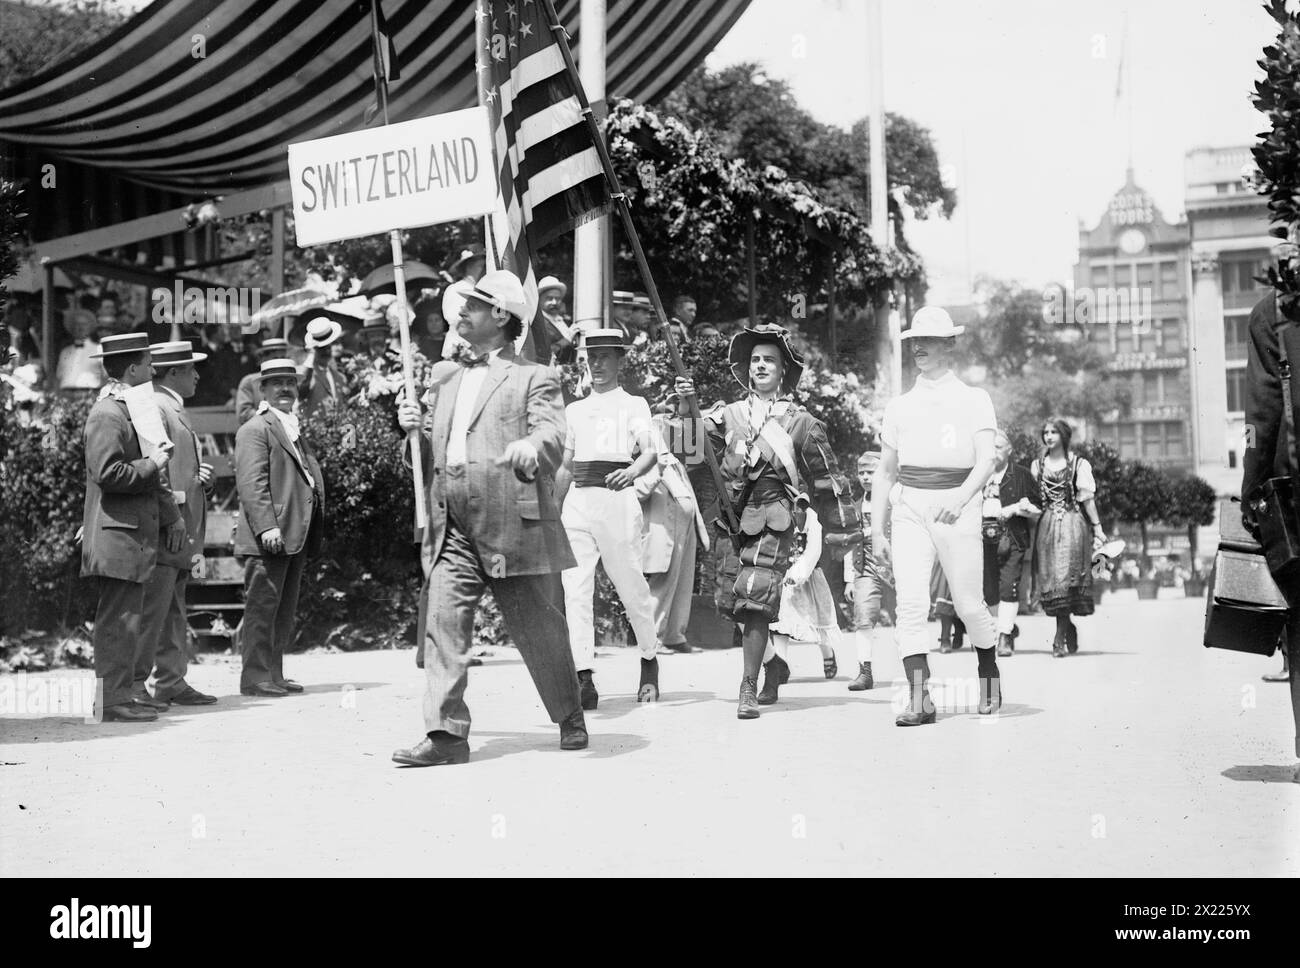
x: 1274, y: 340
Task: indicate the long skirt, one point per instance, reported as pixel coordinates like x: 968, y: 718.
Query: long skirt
x: 1063, y: 562
x: 806, y: 609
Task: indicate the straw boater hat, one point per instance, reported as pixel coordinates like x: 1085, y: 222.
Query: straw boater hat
x: 123, y: 343
x: 742, y: 347
x: 641, y: 300
x: 621, y: 297
x: 274, y: 368
x: 550, y: 282
x: 604, y: 339
x: 176, y: 353
x: 932, y: 321
x: 322, y: 332
x: 274, y: 344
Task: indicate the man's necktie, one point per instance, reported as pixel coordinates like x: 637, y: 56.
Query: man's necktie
x: 465, y: 358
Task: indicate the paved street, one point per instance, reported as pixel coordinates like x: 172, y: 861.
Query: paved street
x: 1144, y: 754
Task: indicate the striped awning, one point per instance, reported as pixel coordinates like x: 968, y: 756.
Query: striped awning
x: 204, y: 96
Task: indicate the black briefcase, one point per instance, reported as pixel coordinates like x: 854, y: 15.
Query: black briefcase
x: 1244, y: 610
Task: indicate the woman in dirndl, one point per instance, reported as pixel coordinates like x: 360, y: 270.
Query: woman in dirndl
x: 1069, y: 532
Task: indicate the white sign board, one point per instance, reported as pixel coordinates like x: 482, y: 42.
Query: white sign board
x: 420, y: 172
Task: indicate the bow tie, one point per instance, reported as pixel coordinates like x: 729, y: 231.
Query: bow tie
x: 466, y: 358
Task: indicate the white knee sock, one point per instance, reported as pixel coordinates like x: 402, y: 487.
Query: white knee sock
x: 865, y: 639
x: 780, y: 644
x: 1007, y: 616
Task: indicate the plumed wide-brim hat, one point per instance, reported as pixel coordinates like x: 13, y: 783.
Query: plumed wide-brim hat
x: 932, y: 321
x: 176, y: 353
x: 742, y: 348
x: 465, y: 255
x: 122, y: 343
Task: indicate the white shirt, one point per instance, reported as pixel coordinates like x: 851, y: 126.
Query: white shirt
x: 606, y: 426
x: 934, y: 423
x: 471, y: 382
x: 289, y: 421
x: 77, y: 371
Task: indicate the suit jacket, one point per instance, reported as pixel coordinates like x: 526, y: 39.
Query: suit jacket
x: 513, y: 524
x: 318, y: 387
x: 1018, y: 483
x: 273, y: 488
x: 248, y: 396
x: 1261, y: 458
x: 553, y: 338
x: 127, y: 502
x: 182, y: 478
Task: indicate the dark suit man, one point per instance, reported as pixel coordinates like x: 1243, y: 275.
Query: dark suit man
x: 1265, y: 455
x: 281, y: 522
x: 557, y: 334
x: 249, y: 393
x: 495, y: 443
x: 1021, y: 506
x: 324, y: 381
x: 165, y: 649
x: 129, y: 512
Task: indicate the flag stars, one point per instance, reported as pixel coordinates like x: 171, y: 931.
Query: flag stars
x: 525, y: 30
x: 480, y: 13
x: 510, y: 10
x: 492, y: 95
x: 512, y: 42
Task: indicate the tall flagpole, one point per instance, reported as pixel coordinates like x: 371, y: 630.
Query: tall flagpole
x: 399, y: 287
x: 625, y: 213
x: 888, y: 343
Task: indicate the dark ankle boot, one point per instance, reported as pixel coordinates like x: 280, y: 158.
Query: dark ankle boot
x: 748, y: 708
x: 920, y: 708
x: 648, y: 691
x: 863, y: 682
x: 958, y: 634
x: 1071, y: 638
x: 990, y: 683
x: 776, y: 673
x: 945, y: 634
x: 587, y: 690
x: 1006, y: 645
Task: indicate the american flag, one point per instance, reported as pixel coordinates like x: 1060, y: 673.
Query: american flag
x: 549, y: 173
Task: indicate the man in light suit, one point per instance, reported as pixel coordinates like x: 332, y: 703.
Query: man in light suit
x: 281, y: 522
x: 164, y: 649
x: 495, y: 443
x: 129, y: 513
x: 324, y: 381
x: 673, y: 527
x: 249, y: 393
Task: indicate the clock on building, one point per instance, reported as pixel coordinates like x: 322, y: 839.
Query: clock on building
x: 1132, y: 241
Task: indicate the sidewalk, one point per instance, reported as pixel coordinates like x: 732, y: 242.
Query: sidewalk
x: 1144, y: 754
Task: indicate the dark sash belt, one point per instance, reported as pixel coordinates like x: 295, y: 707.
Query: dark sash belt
x: 592, y: 473
x: 933, y: 478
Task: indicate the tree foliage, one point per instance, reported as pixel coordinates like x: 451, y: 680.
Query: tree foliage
x: 1277, y: 154
x: 38, y: 36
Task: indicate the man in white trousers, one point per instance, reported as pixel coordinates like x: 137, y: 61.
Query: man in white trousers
x: 601, y: 511
x: 937, y: 441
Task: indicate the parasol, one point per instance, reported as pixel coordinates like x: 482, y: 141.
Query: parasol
x: 417, y: 273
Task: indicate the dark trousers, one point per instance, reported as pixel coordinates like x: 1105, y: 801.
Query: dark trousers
x: 1291, y: 642
x: 1008, y: 565
x: 270, y: 602
x: 164, y: 648
x: 533, y: 609
x: 116, y: 637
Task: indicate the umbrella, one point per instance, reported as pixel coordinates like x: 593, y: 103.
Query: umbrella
x: 289, y: 303
x: 381, y: 279
x: 25, y: 280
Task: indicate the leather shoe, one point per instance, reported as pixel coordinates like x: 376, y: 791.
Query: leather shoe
x: 990, y: 696
x: 129, y: 712
x: 748, y: 707
x: 151, y: 702
x: 1006, y: 645
x: 776, y: 673
x: 434, y: 752
x: 648, y: 690
x: 288, y: 685
x: 573, y: 731
x: 192, y: 697
x: 268, y: 689
x: 911, y: 717
x: 587, y: 690
x: 864, y: 680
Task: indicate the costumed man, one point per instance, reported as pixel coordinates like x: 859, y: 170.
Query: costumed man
x: 164, y: 654
x: 281, y: 524
x: 129, y: 515
x: 601, y: 513
x: 937, y: 442
x: 864, y: 582
x: 1009, y: 535
x: 324, y: 385
x: 770, y: 451
x: 248, y: 396
x: 560, y: 334
x: 673, y: 529
x: 493, y: 449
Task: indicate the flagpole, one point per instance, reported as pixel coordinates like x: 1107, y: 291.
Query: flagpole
x: 625, y: 213
x: 399, y: 288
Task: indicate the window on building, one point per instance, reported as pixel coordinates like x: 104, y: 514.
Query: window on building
x: 1246, y: 272
x: 1128, y: 443
x: 1171, y: 331
x: 1100, y: 277
x: 1236, y: 390
x: 1175, y: 440
x: 1123, y: 277
x: 1232, y: 459
x: 1170, y: 283
x: 1124, y: 341
x: 1153, y: 389
x: 1146, y: 337
x: 1235, y: 329
x: 1146, y: 278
